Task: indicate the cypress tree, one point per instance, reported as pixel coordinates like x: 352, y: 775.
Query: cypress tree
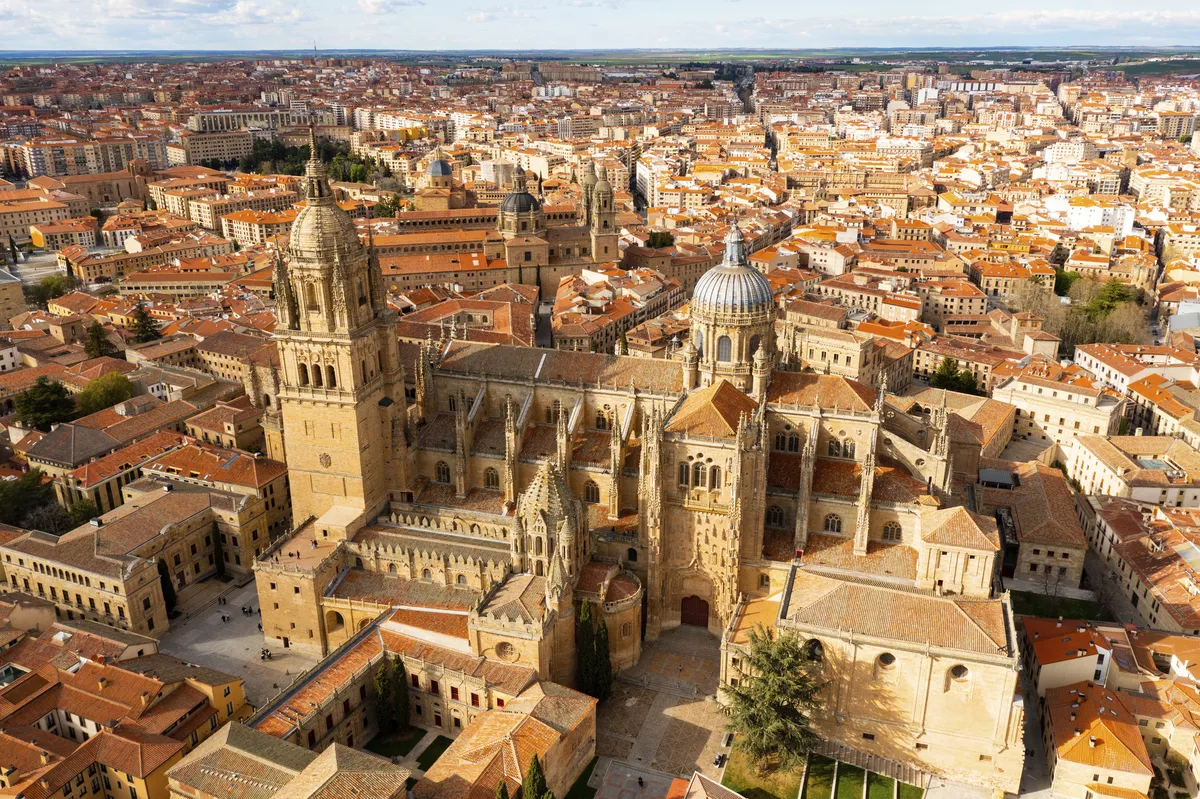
x: 534, y: 786
x: 502, y: 789
x: 168, y: 588
x: 384, y: 706
x: 399, y: 693
x: 603, y: 675
x: 585, y: 648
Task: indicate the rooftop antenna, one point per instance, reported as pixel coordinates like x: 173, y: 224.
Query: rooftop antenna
x: 314, y: 51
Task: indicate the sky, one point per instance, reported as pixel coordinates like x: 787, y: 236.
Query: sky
x: 590, y: 24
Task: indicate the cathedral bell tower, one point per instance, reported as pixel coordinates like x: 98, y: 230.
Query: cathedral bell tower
x: 342, y: 391
x: 603, y: 218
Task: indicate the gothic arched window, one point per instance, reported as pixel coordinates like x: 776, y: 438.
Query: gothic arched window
x: 491, y: 478
x: 724, y: 349
x: 892, y: 531
x: 684, y: 473
x: 631, y: 555
x: 310, y: 296
x: 835, y: 448
x: 793, y: 443
x: 698, y: 475
x: 847, y: 449
x: 443, y: 472
x: 755, y: 341
x: 833, y: 523
x: 330, y: 377
x: 591, y: 492
x: 303, y: 375
x: 775, y: 516
x: 601, y: 421
x: 714, y: 478
x: 318, y: 381
x: 781, y: 441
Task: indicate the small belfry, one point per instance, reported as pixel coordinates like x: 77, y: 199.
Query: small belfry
x: 342, y: 384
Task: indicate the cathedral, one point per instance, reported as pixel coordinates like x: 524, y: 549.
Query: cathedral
x: 505, y: 485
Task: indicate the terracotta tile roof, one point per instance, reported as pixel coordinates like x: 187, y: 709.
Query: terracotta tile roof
x: 714, y: 411
x: 959, y: 527
x: 806, y: 389
x: 970, y: 625
x: 1092, y: 726
x: 892, y: 560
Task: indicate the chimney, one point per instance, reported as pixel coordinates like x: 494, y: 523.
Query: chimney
x: 1059, y: 622
x: 1092, y: 741
x: 97, y: 522
x: 101, y: 683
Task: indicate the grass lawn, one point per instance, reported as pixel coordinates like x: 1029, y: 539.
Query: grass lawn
x: 910, y: 791
x: 850, y: 782
x: 433, y: 752
x: 1049, y: 607
x: 580, y: 789
x: 743, y: 777
x: 880, y: 787
x: 397, y: 744
x: 820, y: 778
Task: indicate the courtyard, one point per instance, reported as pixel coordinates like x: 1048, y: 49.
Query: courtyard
x: 662, y: 721
x: 200, y: 636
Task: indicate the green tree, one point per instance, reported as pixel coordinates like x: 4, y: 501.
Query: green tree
x: 168, y: 587
x: 387, y: 207
x: 218, y: 550
x: 384, y: 706
x: 144, y: 327
x: 534, y: 786
x: 399, y: 694
x: 659, y: 238
x: 771, y: 707
x: 44, y: 404
x: 603, y: 662
x: 946, y: 375
x: 103, y: 392
x: 623, y: 344
x: 502, y: 789
x: 19, y: 497
x: 50, y: 287
x: 97, y: 345
x: 51, y: 518
x: 585, y: 649
x: 82, y: 512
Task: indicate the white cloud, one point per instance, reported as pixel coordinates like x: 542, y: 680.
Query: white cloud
x: 387, y: 6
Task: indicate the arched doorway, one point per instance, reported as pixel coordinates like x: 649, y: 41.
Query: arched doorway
x: 694, y: 611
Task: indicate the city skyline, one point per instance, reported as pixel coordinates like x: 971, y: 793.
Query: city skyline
x: 585, y: 24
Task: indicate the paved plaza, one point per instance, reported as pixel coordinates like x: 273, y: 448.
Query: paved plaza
x: 662, y: 720
x: 233, y: 646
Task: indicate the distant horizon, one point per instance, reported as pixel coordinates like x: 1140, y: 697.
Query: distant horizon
x: 434, y: 26
x: 517, y: 51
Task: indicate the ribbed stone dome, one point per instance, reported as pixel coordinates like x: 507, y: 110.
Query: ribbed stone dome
x: 439, y: 169
x: 733, y: 286
x: 520, y: 203
x: 321, y: 227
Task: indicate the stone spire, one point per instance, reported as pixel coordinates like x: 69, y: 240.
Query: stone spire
x: 862, y: 526
x: 460, y: 444
x: 285, y: 299
x: 510, y: 451
x: 564, y: 440
x: 614, y: 469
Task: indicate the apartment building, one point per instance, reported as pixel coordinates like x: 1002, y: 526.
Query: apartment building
x: 1159, y: 470
x: 1150, y: 551
x: 207, y: 211
x: 1056, y: 403
x: 255, y: 227
x: 79, y: 727
x: 222, y: 147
